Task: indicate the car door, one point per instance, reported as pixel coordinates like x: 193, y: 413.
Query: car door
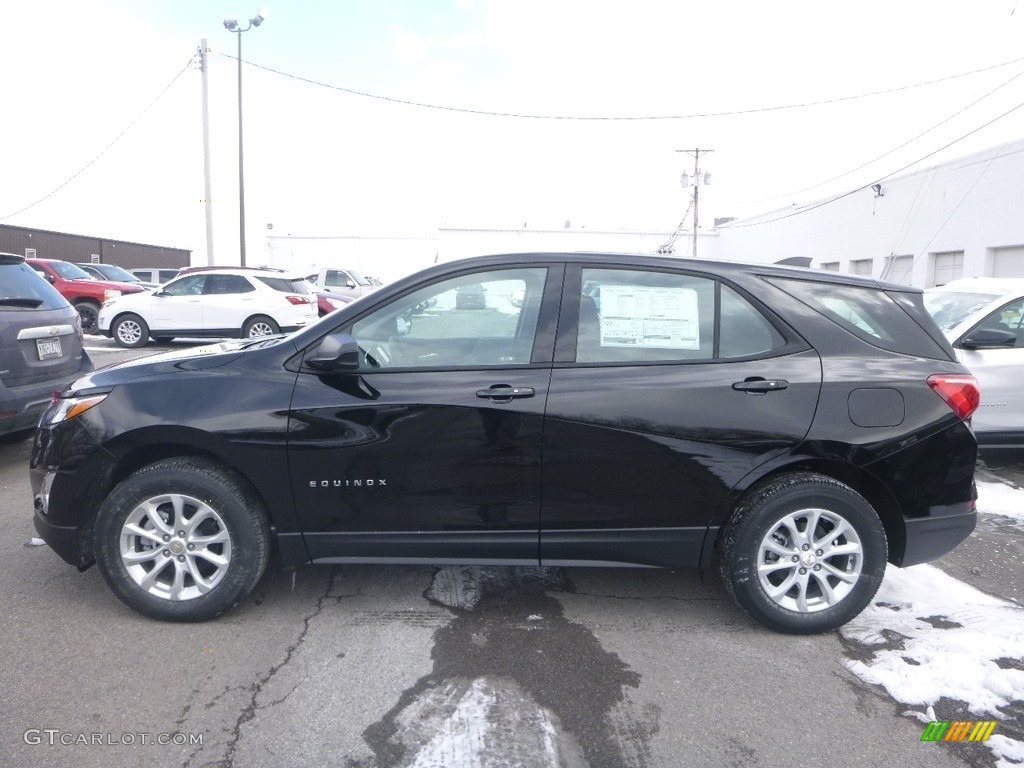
x: 228, y: 300
x: 663, y: 397
x: 431, y: 448
x: 999, y: 374
x: 178, y: 306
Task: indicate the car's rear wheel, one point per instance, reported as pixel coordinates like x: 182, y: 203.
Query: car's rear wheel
x: 89, y: 312
x: 130, y: 331
x: 803, y: 553
x: 180, y: 540
x: 261, y: 325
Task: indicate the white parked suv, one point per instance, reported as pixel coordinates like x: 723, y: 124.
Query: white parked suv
x: 224, y: 302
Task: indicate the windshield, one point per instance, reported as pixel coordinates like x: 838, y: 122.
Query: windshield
x: 949, y: 309
x: 114, y: 272
x: 69, y: 271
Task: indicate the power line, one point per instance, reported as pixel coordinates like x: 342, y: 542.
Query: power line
x: 612, y: 118
x: 103, y: 151
x: 822, y: 203
x: 894, y: 149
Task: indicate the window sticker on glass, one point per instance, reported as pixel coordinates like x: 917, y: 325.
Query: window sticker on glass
x: 647, y: 317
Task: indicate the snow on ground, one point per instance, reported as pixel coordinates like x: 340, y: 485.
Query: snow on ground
x: 933, y: 637
x: 1001, y: 499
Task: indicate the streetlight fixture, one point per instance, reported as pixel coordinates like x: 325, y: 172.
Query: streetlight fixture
x: 232, y: 25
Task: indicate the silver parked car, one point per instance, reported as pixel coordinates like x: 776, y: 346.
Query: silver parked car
x: 982, y: 318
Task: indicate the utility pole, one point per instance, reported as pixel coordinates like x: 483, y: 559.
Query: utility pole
x: 698, y: 181
x: 204, y: 65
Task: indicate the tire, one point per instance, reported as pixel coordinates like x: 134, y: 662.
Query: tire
x: 180, y: 540
x: 130, y: 331
x: 89, y: 312
x: 828, y: 583
x: 258, y: 326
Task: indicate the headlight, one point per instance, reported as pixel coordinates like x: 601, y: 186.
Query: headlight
x: 65, y: 409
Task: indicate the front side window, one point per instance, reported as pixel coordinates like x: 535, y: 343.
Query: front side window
x: 190, y: 285
x: 480, y: 319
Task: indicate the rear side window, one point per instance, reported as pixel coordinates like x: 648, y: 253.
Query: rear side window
x: 868, y: 313
x: 22, y: 288
x: 631, y: 316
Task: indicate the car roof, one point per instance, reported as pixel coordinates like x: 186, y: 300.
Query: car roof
x: 997, y: 286
x: 258, y: 271
x: 612, y: 259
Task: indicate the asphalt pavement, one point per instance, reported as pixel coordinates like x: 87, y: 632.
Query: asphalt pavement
x: 381, y: 666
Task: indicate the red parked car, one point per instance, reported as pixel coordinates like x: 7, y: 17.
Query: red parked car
x: 82, y: 290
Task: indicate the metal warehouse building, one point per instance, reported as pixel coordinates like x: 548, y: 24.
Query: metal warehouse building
x: 963, y: 218
x: 43, y: 244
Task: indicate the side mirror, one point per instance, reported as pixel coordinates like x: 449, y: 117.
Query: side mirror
x: 337, y: 353
x: 350, y: 283
x: 988, y: 338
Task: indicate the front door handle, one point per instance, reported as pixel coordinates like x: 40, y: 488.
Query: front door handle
x: 758, y: 386
x: 502, y: 393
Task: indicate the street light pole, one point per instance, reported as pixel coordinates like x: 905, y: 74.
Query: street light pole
x: 232, y: 25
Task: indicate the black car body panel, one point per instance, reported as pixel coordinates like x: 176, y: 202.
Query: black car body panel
x: 527, y: 455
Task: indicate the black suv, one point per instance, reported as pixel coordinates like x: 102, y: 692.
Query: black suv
x: 799, y: 429
x: 40, y: 346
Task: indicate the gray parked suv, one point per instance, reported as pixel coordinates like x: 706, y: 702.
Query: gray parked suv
x: 40, y: 346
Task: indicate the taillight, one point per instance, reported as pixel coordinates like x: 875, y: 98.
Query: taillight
x: 293, y: 299
x: 959, y: 390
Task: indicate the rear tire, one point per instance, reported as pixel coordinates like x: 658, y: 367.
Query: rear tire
x: 259, y: 326
x: 803, y: 553
x: 130, y: 331
x: 180, y: 540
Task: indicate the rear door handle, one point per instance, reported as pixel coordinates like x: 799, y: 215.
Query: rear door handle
x: 502, y: 393
x: 758, y: 386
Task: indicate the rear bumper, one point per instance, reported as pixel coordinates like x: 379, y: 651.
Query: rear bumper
x: 21, y: 407
x: 931, y: 537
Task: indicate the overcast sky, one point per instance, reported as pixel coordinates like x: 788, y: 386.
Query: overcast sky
x: 110, y: 86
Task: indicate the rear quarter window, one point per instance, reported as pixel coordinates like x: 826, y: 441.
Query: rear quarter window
x: 870, y: 314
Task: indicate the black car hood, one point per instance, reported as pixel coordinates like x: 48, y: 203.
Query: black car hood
x: 199, y: 358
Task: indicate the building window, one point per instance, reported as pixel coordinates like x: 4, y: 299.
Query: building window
x: 901, y: 270
x: 830, y: 266
x: 947, y: 267
x: 861, y: 267
x: 30, y: 253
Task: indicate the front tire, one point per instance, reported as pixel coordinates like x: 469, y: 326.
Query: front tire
x: 258, y: 326
x: 130, y: 331
x: 89, y: 312
x: 180, y: 540
x: 803, y: 554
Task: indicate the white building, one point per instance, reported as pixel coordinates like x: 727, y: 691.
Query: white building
x: 964, y: 218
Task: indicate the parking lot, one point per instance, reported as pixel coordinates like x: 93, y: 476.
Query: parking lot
x: 374, y: 666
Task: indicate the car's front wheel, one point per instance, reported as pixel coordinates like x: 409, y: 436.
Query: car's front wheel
x: 260, y: 326
x: 89, y: 312
x: 180, y: 540
x: 130, y: 331
x: 803, y: 553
